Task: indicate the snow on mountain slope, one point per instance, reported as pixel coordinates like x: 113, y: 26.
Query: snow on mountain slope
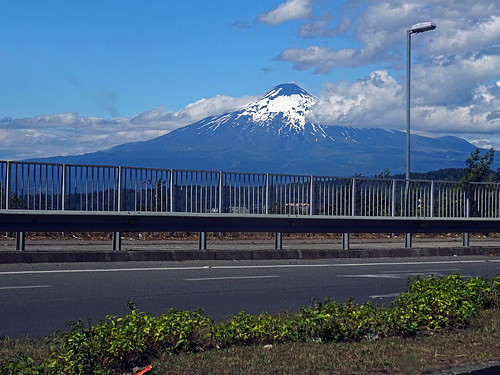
x: 288, y: 101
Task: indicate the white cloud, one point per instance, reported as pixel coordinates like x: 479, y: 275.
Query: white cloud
x: 287, y: 11
x: 379, y: 101
x: 371, y: 102
x: 321, y: 59
x: 71, y: 134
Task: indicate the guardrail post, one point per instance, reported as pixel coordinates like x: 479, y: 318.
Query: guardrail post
x: 117, y: 241
x: 407, y: 240
x: 278, y: 241
x: 465, y: 236
x: 407, y: 212
x: 20, y: 241
x: 345, y: 241
x: 202, y: 240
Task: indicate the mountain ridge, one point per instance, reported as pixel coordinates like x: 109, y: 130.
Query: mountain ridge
x: 273, y: 135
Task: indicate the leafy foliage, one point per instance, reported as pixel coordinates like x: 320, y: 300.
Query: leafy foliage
x: 122, y: 343
x: 433, y: 304
x: 478, y: 168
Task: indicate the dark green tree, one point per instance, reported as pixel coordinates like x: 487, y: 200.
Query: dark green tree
x: 385, y: 174
x: 478, y: 167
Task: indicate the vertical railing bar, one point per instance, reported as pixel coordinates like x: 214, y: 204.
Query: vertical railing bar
x: 311, y: 195
x: 38, y: 185
x: 222, y: 187
x: 119, y: 189
x: 65, y: 185
x: 8, y: 181
x: 353, y: 197
x: 28, y: 186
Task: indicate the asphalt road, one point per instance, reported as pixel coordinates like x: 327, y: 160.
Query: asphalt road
x: 37, y: 299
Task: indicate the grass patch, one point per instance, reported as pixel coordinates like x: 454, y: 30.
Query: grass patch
x: 440, y: 322
x: 391, y: 355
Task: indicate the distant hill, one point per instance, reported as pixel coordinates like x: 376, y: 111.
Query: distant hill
x: 273, y: 135
x: 448, y: 174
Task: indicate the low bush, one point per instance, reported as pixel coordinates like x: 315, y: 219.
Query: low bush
x: 436, y: 303
x: 117, y: 345
x: 123, y: 343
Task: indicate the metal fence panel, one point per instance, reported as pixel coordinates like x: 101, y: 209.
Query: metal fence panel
x: 244, y: 193
x: 450, y: 199
x: 196, y: 191
x: 34, y: 186
x: 289, y: 194
x: 333, y: 196
x: 374, y: 197
x: 91, y: 188
x: 485, y: 199
x: 145, y: 189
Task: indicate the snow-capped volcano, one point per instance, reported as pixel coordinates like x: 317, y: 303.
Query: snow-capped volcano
x: 273, y: 135
x: 287, y: 101
x: 283, y: 109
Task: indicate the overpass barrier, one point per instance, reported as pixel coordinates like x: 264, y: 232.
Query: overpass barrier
x: 46, y: 186
x: 55, y: 188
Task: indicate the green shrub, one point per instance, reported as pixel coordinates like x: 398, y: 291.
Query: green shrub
x: 331, y: 321
x: 23, y: 365
x: 122, y: 343
x: 246, y: 329
x: 436, y: 303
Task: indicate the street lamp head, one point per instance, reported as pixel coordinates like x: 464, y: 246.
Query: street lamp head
x: 422, y: 27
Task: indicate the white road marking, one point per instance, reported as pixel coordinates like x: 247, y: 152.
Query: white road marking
x: 233, y: 278
x: 400, y: 274
x: 275, y: 266
x: 392, y: 295
x: 375, y: 276
x: 25, y: 287
x: 420, y: 272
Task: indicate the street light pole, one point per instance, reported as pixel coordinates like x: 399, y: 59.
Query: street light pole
x: 408, y: 65
x: 415, y: 29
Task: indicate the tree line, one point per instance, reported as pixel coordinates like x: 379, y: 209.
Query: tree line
x: 477, y: 169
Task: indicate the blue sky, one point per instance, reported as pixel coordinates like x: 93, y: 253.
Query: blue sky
x: 78, y: 76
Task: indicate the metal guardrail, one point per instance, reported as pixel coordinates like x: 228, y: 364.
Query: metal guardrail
x: 56, y: 189
x: 45, y: 186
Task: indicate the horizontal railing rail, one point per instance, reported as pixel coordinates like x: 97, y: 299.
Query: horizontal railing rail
x: 101, y: 221
x: 63, y: 187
